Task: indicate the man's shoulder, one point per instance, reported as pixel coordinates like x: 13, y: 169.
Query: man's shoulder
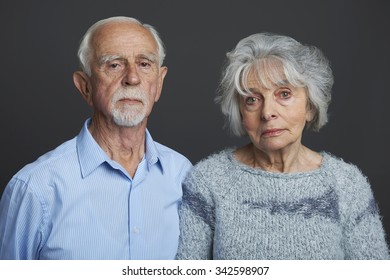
x: 50, y: 160
x: 169, y: 153
x: 173, y: 162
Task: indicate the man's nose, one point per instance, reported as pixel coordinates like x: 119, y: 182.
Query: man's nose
x: 131, y: 76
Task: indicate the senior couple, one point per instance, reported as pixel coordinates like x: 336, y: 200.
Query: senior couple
x: 112, y: 192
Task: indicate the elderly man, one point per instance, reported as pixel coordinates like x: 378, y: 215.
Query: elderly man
x: 111, y: 192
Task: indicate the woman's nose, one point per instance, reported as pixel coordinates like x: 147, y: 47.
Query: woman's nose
x: 268, y: 111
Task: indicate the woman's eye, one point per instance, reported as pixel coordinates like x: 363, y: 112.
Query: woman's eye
x: 250, y: 100
x: 285, y: 94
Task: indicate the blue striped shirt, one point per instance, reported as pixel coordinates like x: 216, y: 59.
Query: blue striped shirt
x: 76, y: 203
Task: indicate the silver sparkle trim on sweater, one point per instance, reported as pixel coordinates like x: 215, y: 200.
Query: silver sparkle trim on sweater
x: 326, y: 206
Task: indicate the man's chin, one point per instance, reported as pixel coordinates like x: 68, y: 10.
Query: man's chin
x: 128, y: 122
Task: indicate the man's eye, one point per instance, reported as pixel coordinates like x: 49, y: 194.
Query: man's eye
x: 114, y: 65
x: 145, y: 64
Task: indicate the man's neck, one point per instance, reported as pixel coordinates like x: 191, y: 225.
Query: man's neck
x: 125, y: 145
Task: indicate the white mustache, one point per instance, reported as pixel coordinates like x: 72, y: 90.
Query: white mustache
x: 134, y: 93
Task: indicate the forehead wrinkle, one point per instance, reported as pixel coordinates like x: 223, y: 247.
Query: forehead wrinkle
x: 128, y: 39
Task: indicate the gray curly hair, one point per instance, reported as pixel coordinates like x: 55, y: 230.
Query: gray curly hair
x: 266, y: 54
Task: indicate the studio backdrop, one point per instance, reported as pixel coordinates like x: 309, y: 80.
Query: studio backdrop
x: 41, y: 108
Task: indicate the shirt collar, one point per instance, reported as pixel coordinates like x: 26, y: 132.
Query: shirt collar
x: 91, y: 155
x: 152, y: 155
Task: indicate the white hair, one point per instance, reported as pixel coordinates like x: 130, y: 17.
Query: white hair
x: 85, y: 48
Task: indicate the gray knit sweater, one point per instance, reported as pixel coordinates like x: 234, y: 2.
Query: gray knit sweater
x: 233, y: 211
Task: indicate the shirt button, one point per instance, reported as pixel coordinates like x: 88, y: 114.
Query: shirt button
x: 135, y: 230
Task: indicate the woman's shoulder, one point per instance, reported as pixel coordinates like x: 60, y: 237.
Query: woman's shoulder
x: 212, y: 167
x: 341, y: 167
x: 351, y: 183
x: 206, y: 175
x: 216, y: 160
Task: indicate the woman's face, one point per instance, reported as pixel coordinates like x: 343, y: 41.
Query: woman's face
x: 274, y: 117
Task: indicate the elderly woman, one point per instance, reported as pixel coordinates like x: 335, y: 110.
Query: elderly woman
x: 275, y: 198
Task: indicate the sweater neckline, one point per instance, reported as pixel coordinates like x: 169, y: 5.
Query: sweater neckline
x: 246, y: 168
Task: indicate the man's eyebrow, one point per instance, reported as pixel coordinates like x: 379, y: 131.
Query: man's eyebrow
x: 105, y: 58
x: 151, y: 57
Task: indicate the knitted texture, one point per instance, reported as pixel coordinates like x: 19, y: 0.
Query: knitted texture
x: 232, y: 211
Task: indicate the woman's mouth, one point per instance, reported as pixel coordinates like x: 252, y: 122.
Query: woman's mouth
x: 272, y: 132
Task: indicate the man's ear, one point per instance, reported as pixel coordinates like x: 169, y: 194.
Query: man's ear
x: 82, y: 83
x: 163, y: 72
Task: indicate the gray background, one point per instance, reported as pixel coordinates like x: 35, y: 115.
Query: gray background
x: 41, y: 108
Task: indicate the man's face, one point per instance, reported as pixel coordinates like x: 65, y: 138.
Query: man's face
x: 126, y: 78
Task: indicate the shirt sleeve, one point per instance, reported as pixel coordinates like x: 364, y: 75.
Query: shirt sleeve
x: 364, y: 235
x: 197, y: 219
x: 184, y: 171
x: 21, y: 220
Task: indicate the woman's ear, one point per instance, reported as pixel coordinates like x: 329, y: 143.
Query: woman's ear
x: 82, y: 83
x: 310, y: 111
